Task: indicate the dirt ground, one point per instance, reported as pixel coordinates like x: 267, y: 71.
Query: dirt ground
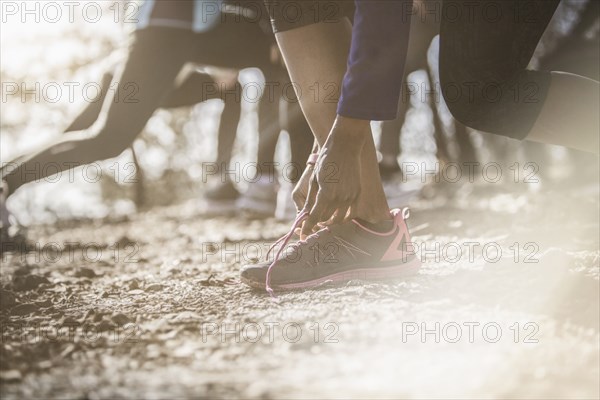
x: 151, y: 307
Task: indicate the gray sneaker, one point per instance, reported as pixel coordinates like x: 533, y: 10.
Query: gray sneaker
x: 338, y: 254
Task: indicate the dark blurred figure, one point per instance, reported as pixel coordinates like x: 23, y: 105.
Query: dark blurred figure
x: 424, y: 28
x: 169, y: 36
x: 576, y: 52
x: 196, y: 87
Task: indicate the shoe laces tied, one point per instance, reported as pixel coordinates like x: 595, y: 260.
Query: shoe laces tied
x: 305, y: 241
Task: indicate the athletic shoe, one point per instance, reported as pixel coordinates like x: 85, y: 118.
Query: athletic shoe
x: 12, y: 235
x: 260, y: 199
x: 339, y: 253
x: 221, y: 199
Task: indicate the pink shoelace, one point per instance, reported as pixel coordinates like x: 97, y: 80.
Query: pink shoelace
x: 282, y: 243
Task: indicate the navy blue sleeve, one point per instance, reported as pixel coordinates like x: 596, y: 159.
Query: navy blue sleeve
x: 371, y: 86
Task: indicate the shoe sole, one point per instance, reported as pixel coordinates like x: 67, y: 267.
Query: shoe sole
x: 364, y: 274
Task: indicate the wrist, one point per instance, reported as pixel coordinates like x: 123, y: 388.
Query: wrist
x: 350, y: 133
x: 351, y: 128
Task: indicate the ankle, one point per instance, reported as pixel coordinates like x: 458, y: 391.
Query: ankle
x: 380, y: 227
x: 374, y: 216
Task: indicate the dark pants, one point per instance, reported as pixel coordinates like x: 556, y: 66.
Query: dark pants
x: 484, y: 54
x: 485, y: 47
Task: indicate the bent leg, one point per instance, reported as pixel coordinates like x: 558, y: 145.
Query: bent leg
x: 190, y: 92
x: 143, y: 82
x: 486, y: 83
x: 269, y: 128
x: 230, y: 118
x: 195, y: 88
x: 316, y: 54
x: 570, y: 114
x: 90, y: 114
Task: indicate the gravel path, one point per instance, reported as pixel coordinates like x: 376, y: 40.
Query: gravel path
x: 150, y: 307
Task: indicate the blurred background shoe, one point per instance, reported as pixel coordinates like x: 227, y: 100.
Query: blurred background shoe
x: 221, y: 199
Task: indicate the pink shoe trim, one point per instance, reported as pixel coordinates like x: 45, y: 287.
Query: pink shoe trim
x: 374, y: 232
x: 366, y: 274
x: 394, y: 252
x: 397, y: 215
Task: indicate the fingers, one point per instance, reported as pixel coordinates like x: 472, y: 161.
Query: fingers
x: 313, y: 215
x: 327, y: 202
x: 313, y: 190
x: 323, y: 210
x: 299, y: 200
x: 352, y: 213
x: 340, y: 214
x: 301, y: 189
x: 312, y: 220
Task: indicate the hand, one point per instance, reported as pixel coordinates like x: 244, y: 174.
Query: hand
x: 335, y: 185
x: 301, y: 189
